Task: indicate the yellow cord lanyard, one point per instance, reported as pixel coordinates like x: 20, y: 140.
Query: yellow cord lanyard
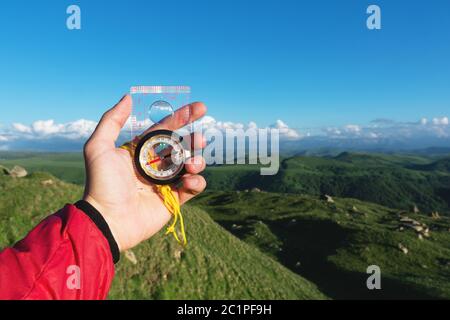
x: 171, y: 202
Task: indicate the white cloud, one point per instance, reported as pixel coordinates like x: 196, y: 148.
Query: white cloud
x: 352, y: 128
x: 285, y: 131
x: 252, y: 125
x: 21, y: 128
x: 78, y: 129
x: 82, y: 129
x: 389, y: 129
x: 207, y: 121
x: 332, y: 132
x: 429, y: 130
x: 347, y: 131
x: 440, y: 121
x: 46, y: 127
x: 138, y: 126
x: 279, y: 124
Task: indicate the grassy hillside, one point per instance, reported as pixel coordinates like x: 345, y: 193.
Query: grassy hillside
x: 25, y: 202
x: 66, y: 166
x: 215, y: 265
x: 332, y: 244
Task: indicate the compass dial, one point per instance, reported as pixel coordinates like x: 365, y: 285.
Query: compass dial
x: 160, y: 157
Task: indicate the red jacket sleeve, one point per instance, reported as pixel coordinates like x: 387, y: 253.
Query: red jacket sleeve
x: 69, y: 255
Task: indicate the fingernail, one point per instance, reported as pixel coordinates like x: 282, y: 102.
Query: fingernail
x: 194, y: 182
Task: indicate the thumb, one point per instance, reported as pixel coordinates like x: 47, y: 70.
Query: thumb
x: 112, y: 122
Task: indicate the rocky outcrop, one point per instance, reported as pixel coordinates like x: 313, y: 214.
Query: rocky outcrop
x: 48, y: 182
x: 178, y: 254
x: 403, y: 248
x: 435, y: 215
x: 327, y: 198
x: 131, y: 256
x: 18, y: 172
x: 420, y: 228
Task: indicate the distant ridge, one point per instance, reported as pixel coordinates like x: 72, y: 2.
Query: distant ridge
x: 396, y: 180
x: 442, y: 165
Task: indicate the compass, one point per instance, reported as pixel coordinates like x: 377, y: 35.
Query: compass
x: 160, y: 157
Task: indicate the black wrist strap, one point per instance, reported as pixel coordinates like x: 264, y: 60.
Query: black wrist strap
x: 101, y: 223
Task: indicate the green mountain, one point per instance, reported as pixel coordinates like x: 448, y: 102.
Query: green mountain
x: 394, y: 180
x: 442, y: 165
x: 215, y: 265
x: 332, y: 242
x: 397, y: 181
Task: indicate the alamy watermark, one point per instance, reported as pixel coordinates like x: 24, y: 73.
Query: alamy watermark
x: 374, y: 20
x: 253, y: 146
x: 73, y: 21
x: 73, y: 281
x: 374, y: 280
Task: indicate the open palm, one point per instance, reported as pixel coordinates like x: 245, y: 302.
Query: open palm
x: 132, y: 208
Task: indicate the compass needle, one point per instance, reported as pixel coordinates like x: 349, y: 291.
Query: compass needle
x: 160, y: 157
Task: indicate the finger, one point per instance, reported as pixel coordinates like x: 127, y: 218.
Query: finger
x: 112, y: 122
x: 182, y: 117
x: 191, y: 186
x: 195, y: 165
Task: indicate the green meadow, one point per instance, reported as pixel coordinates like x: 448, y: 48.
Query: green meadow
x: 279, y: 237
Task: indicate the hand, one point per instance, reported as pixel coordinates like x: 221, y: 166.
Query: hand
x: 130, y: 206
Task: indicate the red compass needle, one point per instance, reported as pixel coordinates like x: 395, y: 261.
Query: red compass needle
x: 155, y: 160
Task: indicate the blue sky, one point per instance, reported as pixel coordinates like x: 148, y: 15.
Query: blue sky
x: 309, y: 63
